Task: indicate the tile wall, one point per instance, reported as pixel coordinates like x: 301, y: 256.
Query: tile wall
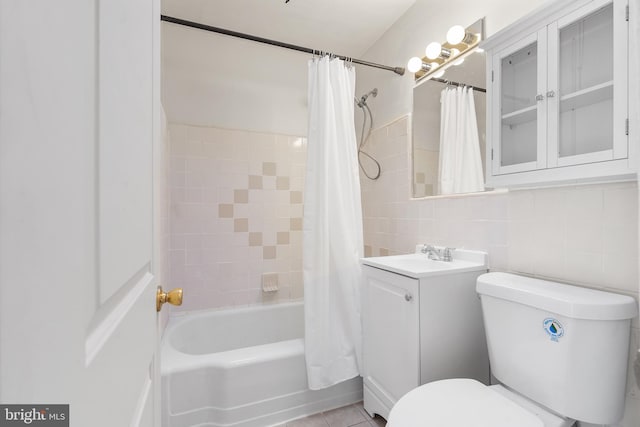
x: 586, y: 235
x: 236, y: 214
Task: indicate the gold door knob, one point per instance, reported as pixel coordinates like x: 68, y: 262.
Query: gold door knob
x: 173, y: 297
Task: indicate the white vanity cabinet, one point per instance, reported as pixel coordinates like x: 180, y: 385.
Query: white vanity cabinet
x: 422, y: 322
x: 557, y: 95
x: 391, y: 338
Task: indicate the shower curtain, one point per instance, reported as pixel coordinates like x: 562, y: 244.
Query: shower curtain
x: 332, y: 228
x: 460, y: 162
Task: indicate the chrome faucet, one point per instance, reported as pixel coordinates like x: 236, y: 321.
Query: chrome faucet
x: 448, y: 256
x: 445, y: 255
x: 431, y: 252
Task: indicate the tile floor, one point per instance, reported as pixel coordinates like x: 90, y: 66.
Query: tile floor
x: 347, y: 416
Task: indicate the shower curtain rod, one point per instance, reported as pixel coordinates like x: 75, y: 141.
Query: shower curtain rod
x: 449, y: 82
x: 171, y: 19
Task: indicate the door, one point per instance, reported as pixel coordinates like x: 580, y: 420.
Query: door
x: 79, y: 117
x: 519, y: 113
x: 391, y: 341
x: 587, y: 92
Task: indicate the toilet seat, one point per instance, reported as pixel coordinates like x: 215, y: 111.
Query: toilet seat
x: 459, y: 403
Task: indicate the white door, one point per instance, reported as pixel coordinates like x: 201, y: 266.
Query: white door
x: 79, y: 117
x: 391, y: 338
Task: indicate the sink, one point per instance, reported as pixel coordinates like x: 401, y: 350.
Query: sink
x: 418, y: 265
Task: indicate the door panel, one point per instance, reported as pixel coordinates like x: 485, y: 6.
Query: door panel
x: 125, y: 140
x: 391, y: 351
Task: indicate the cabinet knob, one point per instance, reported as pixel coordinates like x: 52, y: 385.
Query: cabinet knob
x: 539, y: 97
x: 551, y: 94
x: 408, y: 297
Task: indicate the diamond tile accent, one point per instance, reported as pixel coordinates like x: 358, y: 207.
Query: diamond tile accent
x: 240, y: 225
x: 269, y: 168
x: 295, y: 224
x: 255, y: 182
x: 283, y: 237
x: 282, y: 183
x: 233, y: 191
x: 225, y: 211
x: 255, y: 239
x: 269, y: 252
x: 241, y: 196
x: 295, y: 197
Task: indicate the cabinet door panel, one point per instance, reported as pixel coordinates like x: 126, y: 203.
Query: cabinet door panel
x: 391, y: 339
x: 581, y: 70
x: 520, y: 114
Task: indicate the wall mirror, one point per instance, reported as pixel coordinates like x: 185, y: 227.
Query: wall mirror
x: 426, y: 124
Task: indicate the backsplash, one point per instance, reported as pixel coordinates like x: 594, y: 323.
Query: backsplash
x: 585, y: 235
x: 236, y: 214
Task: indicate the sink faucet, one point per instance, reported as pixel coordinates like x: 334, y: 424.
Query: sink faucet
x: 431, y: 252
x: 448, y: 256
x: 437, y: 255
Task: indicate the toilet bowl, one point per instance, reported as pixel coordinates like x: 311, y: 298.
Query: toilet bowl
x: 547, y: 342
x: 465, y: 402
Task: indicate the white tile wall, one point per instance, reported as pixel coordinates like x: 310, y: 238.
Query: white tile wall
x: 585, y: 235
x: 233, y: 195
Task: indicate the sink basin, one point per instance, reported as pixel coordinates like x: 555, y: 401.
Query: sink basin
x: 418, y: 265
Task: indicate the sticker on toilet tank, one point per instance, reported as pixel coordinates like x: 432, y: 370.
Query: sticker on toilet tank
x: 553, y: 328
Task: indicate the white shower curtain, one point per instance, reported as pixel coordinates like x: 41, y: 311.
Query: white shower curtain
x: 332, y: 238
x: 460, y: 162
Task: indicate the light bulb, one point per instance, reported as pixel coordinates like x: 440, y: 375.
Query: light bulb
x: 456, y: 52
x: 433, y: 50
x: 456, y: 34
x: 439, y: 74
x: 414, y: 65
x: 434, y: 65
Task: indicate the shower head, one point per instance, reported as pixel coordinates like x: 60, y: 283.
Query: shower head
x: 363, y: 100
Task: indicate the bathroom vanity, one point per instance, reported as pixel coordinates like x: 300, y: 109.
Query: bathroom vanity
x: 422, y: 322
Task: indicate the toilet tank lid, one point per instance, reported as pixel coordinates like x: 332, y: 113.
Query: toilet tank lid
x: 567, y: 300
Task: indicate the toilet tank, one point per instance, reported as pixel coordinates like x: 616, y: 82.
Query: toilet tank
x: 562, y: 346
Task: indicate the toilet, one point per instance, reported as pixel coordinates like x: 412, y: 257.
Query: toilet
x: 559, y: 353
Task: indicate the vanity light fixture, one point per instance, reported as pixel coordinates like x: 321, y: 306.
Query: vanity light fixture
x: 416, y: 64
x: 458, y: 34
x: 460, y: 42
x: 435, y: 50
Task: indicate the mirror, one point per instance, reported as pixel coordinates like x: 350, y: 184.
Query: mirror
x: 426, y: 121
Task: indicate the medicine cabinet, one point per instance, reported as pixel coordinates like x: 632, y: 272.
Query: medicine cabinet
x: 557, y: 96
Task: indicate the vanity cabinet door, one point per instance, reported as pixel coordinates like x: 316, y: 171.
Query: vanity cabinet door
x: 391, y: 348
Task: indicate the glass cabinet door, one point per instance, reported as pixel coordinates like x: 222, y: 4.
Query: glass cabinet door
x: 581, y: 113
x: 522, y: 116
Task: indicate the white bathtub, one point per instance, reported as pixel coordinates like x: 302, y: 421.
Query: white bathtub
x: 241, y: 368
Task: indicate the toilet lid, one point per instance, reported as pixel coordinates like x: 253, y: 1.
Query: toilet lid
x: 458, y: 403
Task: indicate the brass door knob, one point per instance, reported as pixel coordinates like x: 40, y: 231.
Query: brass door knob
x: 173, y: 297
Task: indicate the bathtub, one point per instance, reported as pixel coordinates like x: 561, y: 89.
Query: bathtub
x: 241, y: 368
